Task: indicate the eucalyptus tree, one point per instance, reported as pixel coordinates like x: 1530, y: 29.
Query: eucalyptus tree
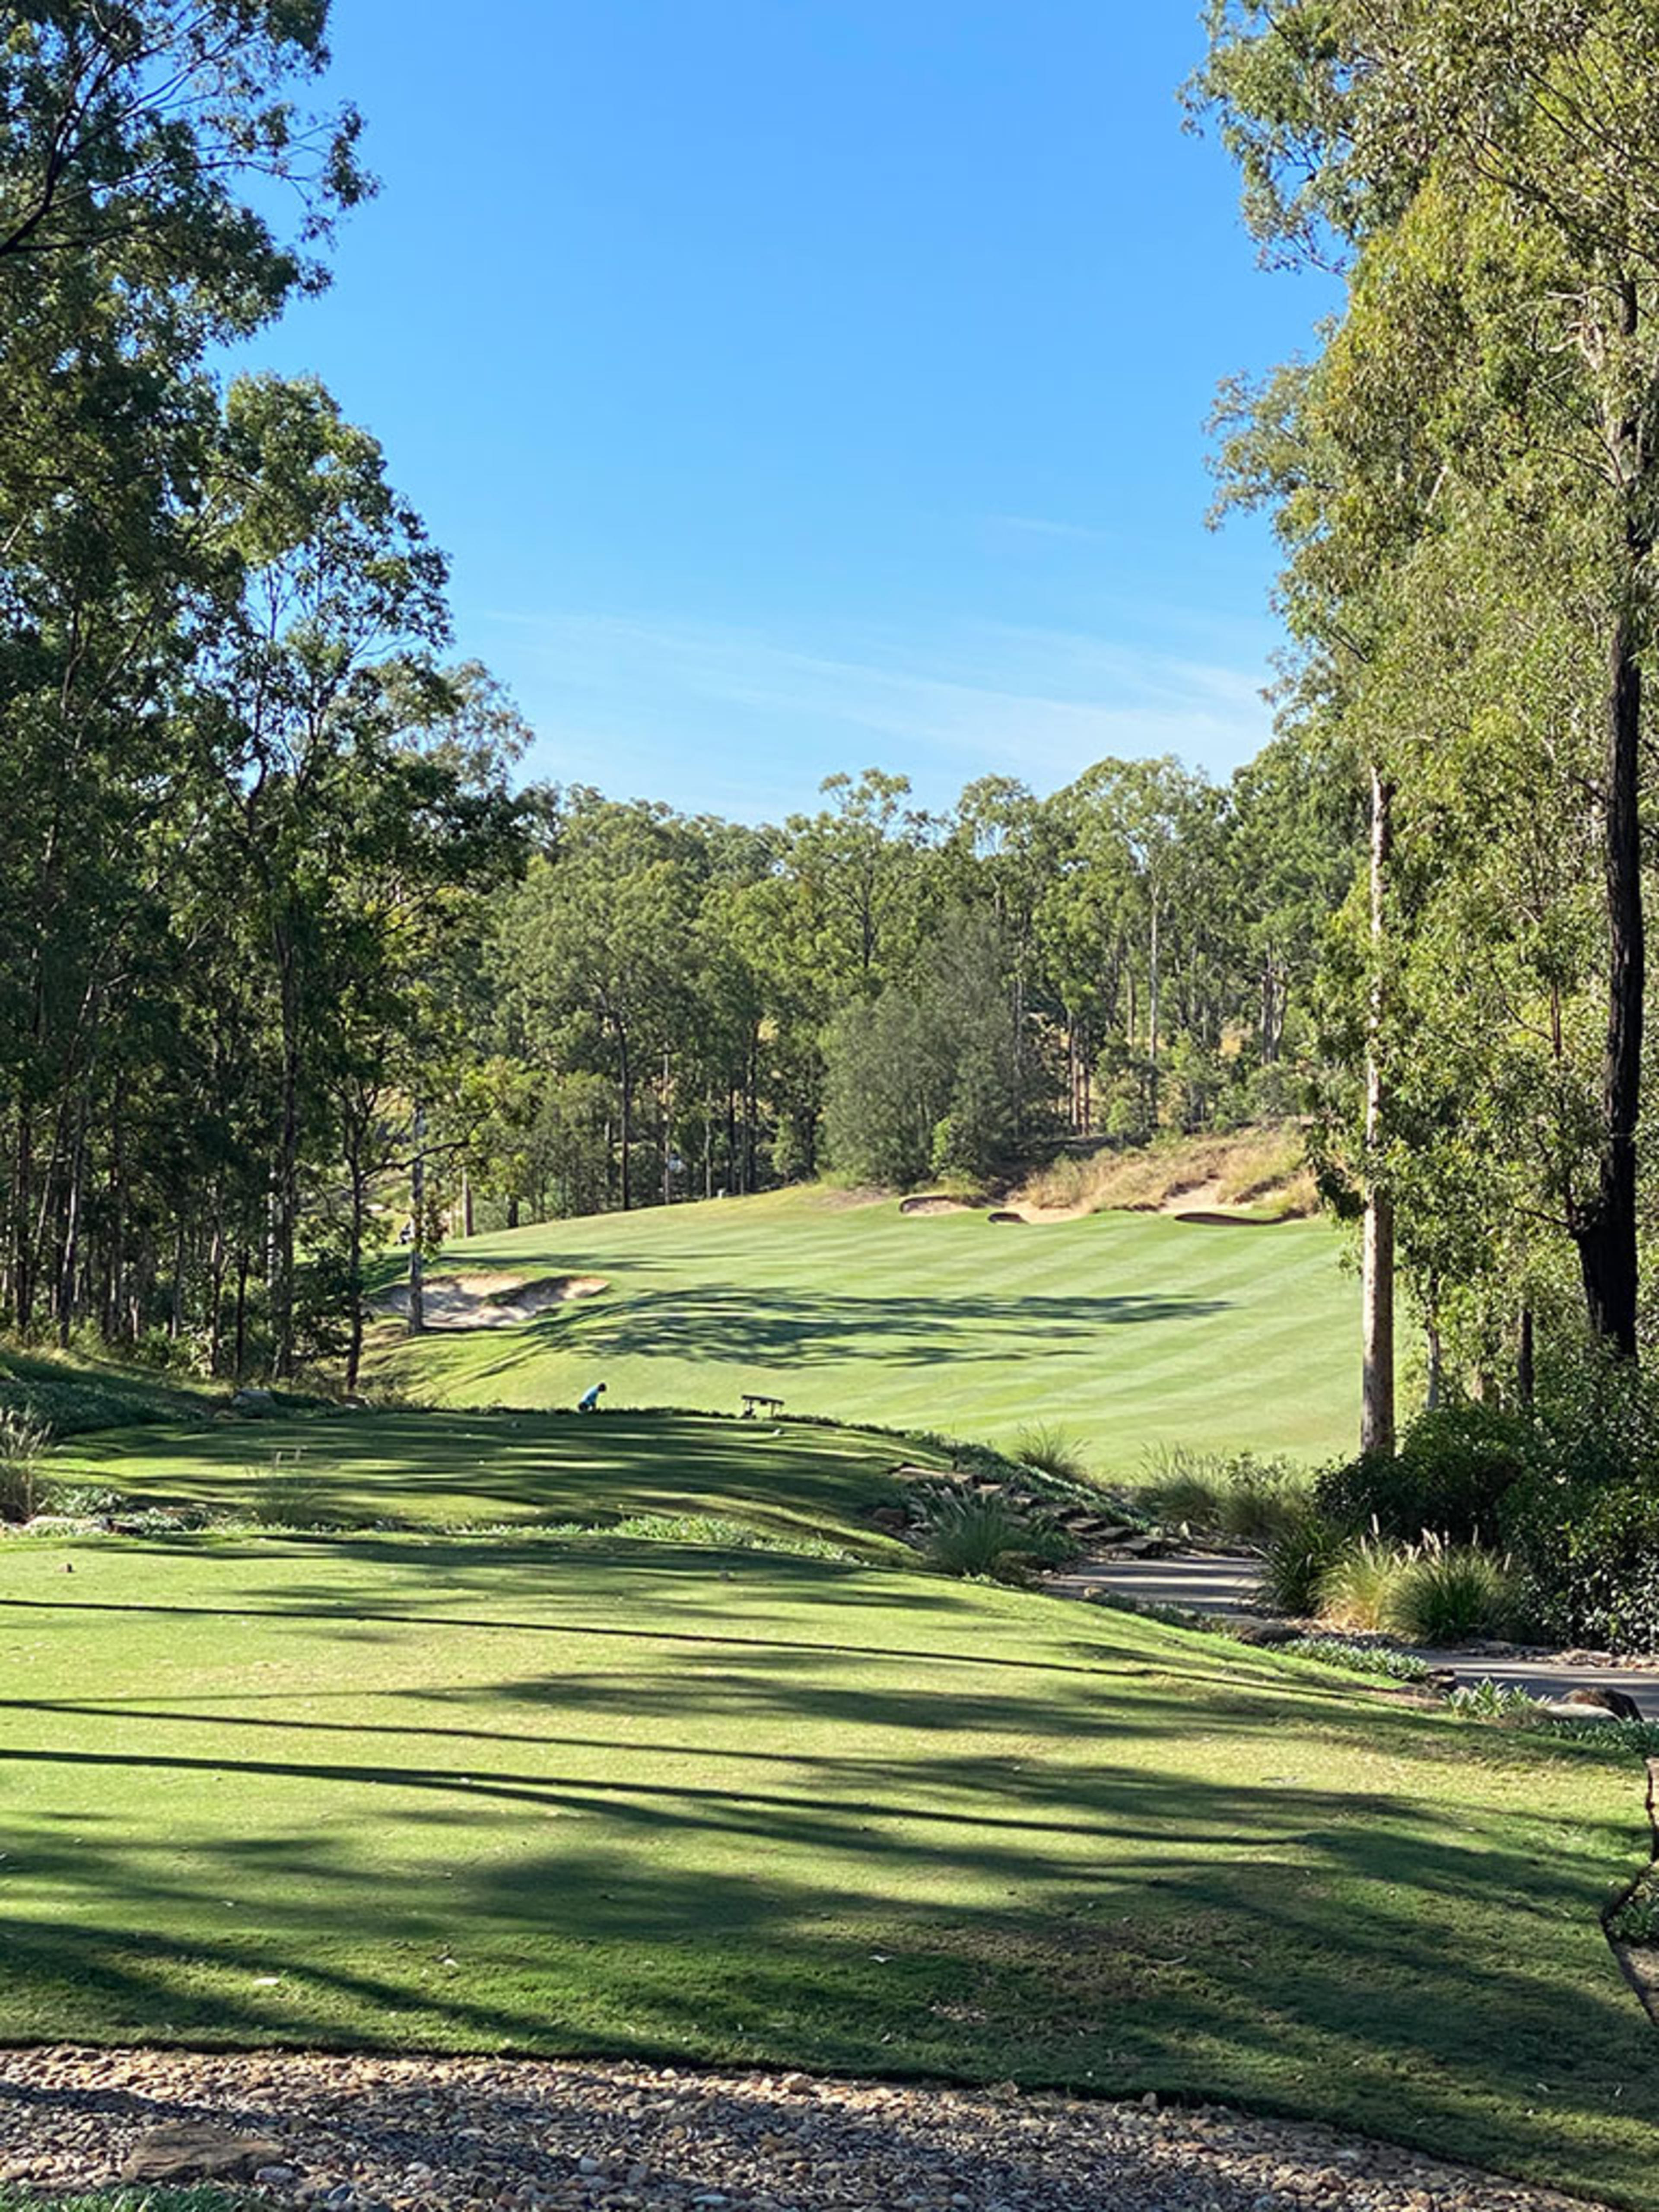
x: 1515, y: 154
x: 600, y: 936
x: 339, y: 592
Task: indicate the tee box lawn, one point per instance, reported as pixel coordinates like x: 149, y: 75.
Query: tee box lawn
x: 549, y: 1793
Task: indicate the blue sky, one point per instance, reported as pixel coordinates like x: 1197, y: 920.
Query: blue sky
x: 805, y: 385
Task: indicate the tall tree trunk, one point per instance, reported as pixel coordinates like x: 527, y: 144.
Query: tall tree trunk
x: 1605, y: 1228
x: 750, y: 1110
x: 417, y: 1223
x: 217, y: 1281
x: 1526, y: 1371
x: 285, y: 1194
x: 22, y: 1264
x: 626, y: 1071
x: 69, y: 1259
x: 666, y: 1118
x: 1152, y: 1011
x: 241, y: 1311
x: 355, y: 1268
x: 1376, y: 1425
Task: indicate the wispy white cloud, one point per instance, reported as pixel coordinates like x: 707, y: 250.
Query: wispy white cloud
x: 741, y: 709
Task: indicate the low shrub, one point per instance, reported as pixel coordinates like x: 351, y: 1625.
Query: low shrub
x: 1296, y: 1563
x: 1454, y: 1469
x: 1237, y: 1495
x: 1488, y: 1701
x: 1052, y: 1452
x: 1635, y: 1918
x: 1589, y: 1556
x: 983, y: 1536
x: 1357, y: 1590
x: 1447, y: 1593
x: 1377, y: 1659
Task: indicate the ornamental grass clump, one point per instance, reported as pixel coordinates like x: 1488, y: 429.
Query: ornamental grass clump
x: 1447, y: 1593
x: 1356, y: 1591
x: 1296, y: 1563
x: 1231, y: 1494
x: 987, y: 1537
x: 1052, y: 1452
x: 23, y: 1442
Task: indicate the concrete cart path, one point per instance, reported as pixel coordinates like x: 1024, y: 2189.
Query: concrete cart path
x: 1226, y: 1585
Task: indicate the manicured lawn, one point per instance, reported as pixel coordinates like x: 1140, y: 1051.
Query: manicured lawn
x: 452, y: 1468
x: 1126, y: 1330
x: 477, y: 1795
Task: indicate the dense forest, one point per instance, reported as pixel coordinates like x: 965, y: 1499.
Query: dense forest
x: 295, y: 962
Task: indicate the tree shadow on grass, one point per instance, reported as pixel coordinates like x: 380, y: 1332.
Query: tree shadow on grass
x: 1398, y: 1966
x: 774, y: 1328
x: 410, y: 1467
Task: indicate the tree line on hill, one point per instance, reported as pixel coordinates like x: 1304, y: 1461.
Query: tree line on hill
x: 681, y: 1006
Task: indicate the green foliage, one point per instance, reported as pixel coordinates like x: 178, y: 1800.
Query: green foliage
x: 924, y: 1082
x: 13, y: 2199
x: 1229, y: 1494
x: 1493, y: 1701
x: 1052, y: 1450
x: 23, y: 1442
x: 1296, y: 1563
x: 1358, y: 1658
x: 983, y: 1535
x: 1454, y: 1466
x: 1635, y: 1919
x: 1591, y: 1556
x: 1449, y: 1593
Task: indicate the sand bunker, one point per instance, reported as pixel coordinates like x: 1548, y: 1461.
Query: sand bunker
x: 931, y: 1202
x: 492, y: 1301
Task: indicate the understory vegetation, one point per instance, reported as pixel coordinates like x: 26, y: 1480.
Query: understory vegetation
x: 1487, y: 1523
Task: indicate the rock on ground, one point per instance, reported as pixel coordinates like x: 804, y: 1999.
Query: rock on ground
x: 351, y: 2133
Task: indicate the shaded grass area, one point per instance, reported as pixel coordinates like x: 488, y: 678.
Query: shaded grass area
x: 1131, y: 1330
x: 482, y: 1796
x: 402, y: 1468
x: 70, y: 1393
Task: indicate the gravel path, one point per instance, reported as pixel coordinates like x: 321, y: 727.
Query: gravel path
x: 355, y: 2132
x: 1225, y: 1584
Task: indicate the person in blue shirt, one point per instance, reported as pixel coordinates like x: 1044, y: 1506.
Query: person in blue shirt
x: 589, y: 1400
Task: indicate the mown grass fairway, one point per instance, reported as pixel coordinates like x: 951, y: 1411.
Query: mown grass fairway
x: 1127, y: 1330
x: 474, y: 1795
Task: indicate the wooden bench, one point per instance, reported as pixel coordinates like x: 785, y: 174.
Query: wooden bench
x: 753, y: 1403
